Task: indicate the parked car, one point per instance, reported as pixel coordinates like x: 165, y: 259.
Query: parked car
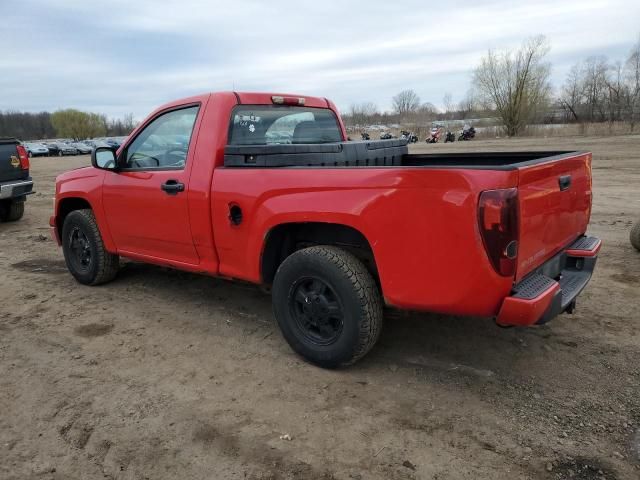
x: 36, y: 149
x: 15, y: 182
x: 484, y: 234
x: 60, y: 149
x: 93, y: 143
x: 81, y: 147
x: 634, y: 236
x: 113, y: 142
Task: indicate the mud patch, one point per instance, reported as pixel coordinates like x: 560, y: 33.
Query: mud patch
x: 41, y: 265
x: 625, y: 278
x: 91, y: 330
x: 211, y: 436
x: 76, y: 434
x: 581, y: 469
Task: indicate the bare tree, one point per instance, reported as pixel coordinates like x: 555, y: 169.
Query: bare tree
x: 516, y: 84
x: 632, y: 83
x: 407, y: 101
x: 615, y: 93
x: 467, y: 104
x: 594, y: 77
x: 571, y: 95
x: 447, y: 102
x: 363, y: 113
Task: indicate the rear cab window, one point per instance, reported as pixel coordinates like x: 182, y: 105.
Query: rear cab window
x: 282, y: 124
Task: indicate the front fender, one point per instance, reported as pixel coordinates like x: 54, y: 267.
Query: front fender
x: 85, y: 185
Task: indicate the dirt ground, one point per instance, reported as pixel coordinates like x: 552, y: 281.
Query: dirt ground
x: 168, y: 375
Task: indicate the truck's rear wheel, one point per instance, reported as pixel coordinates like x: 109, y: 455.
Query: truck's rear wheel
x: 10, y: 210
x: 634, y: 236
x: 327, y: 305
x: 84, y: 251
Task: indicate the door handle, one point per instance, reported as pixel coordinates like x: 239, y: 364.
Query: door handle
x: 565, y: 182
x: 172, y: 187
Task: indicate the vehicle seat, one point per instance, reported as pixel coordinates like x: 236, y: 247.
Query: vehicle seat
x: 305, y: 132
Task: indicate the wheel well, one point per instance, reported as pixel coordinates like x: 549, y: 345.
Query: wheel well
x: 68, y: 205
x: 283, y: 240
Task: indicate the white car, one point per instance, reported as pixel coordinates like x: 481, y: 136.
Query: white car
x: 36, y: 149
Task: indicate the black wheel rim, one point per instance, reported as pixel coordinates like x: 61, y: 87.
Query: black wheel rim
x: 79, y: 250
x: 317, y: 311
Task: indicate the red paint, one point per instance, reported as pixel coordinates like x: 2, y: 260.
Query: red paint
x: 550, y: 218
x: 522, y: 313
x: 422, y: 224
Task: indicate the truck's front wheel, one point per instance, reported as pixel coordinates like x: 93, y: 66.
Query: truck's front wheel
x: 327, y: 305
x: 84, y: 253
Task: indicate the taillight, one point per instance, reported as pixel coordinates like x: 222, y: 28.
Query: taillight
x: 24, y: 157
x: 498, y: 221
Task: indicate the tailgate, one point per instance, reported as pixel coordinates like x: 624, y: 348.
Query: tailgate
x: 555, y: 205
x: 9, y: 161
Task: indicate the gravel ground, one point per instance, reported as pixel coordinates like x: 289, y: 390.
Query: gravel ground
x: 164, y: 375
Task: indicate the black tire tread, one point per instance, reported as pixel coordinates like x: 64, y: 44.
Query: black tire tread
x: 365, y: 288
x: 13, y: 211
x: 634, y: 236
x: 108, y: 263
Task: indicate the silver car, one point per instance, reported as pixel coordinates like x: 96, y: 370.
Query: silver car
x: 36, y: 149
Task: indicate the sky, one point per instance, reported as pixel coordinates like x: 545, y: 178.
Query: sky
x: 121, y: 56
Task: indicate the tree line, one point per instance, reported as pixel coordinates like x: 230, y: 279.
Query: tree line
x: 69, y: 123
x: 515, y: 87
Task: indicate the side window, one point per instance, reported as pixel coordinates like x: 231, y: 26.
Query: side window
x: 163, y: 143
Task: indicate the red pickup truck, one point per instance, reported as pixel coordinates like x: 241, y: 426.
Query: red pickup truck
x: 265, y: 188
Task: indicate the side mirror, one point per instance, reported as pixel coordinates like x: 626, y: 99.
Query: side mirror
x: 104, y: 158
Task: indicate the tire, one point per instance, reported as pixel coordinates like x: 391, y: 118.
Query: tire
x: 11, y: 211
x: 303, y: 308
x: 30, y: 154
x: 59, y: 153
x: 634, y: 236
x: 84, y: 253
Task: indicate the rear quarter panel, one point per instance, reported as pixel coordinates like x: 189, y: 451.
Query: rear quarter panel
x: 421, y: 224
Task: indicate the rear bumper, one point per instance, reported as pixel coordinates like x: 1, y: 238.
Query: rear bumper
x: 552, y: 289
x: 16, y: 188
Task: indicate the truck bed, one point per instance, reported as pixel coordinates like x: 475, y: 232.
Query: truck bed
x: 376, y: 154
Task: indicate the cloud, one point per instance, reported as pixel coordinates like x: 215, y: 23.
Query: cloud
x: 129, y: 56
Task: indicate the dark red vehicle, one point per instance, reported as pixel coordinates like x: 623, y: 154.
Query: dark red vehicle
x: 264, y: 188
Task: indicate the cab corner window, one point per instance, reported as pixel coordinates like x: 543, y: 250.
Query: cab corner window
x: 164, y: 143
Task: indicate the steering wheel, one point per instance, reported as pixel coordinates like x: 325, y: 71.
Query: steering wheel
x: 179, y: 153
x: 136, y: 160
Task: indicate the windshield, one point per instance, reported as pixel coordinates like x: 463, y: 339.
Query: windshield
x: 274, y: 124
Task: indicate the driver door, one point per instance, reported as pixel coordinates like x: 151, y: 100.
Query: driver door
x: 145, y: 200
